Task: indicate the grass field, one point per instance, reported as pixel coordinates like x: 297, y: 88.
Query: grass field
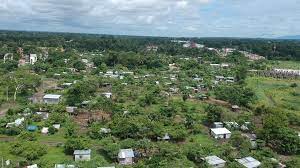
x: 276, y: 93
x: 285, y: 64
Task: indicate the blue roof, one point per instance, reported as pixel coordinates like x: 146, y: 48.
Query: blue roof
x: 32, y: 128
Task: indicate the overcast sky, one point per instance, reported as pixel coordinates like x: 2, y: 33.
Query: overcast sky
x: 197, y: 18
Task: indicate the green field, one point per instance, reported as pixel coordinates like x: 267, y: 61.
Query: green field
x: 276, y: 93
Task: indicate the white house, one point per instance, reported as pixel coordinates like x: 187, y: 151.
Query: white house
x: 45, y: 130
x: 82, y: 155
x: 64, y: 166
x: 32, y: 166
x: 51, y: 98
x: 107, y: 95
x: 249, y: 162
x: 16, y: 123
x: 126, y: 156
x: 33, y: 59
x: 220, y: 133
x: 215, y: 161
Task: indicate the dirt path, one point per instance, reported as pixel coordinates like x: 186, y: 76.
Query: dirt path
x: 218, y: 102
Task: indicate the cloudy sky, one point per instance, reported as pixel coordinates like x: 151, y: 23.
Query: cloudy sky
x: 197, y: 18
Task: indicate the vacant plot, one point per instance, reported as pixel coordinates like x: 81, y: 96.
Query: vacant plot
x: 276, y: 92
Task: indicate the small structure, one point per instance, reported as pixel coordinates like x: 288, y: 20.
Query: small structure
x: 8, y: 56
x: 16, y: 123
x: 33, y: 59
x: 51, y: 98
x: 218, y: 125
x: 220, y: 133
x: 235, y: 108
x: 71, y: 109
x: 105, y: 130
x: 249, y: 162
x: 45, y: 130
x: 32, y: 128
x: 64, y: 166
x: 126, y: 156
x: 32, y: 166
x: 107, y: 95
x: 56, y: 126
x: 166, y: 137
x: 215, y: 161
x: 82, y: 155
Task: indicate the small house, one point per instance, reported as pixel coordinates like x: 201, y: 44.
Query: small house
x: 64, y: 166
x: 32, y: 166
x: 166, y: 137
x: 105, y: 130
x: 107, y: 95
x: 33, y: 59
x: 82, y: 155
x: 71, y: 109
x: 56, y: 126
x: 16, y: 123
x: 249, y: 162
x: 45, y: 130
x: 220, y: 133
x: 51, y: 99
x: 215, y: 161
x: 235, y: 108
x: 126, y: 156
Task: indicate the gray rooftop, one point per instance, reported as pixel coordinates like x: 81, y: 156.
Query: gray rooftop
x: 249, y: 162
x: 52, y: 96
x: 214, y: 160
x: 82, y: 152
x: 126, y: 153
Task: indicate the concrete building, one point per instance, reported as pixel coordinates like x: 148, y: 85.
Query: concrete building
x: 220, y: 133
x: 82, y: 155
x: 126, y: 156
x: 33, y: 59
x: 51, y: 99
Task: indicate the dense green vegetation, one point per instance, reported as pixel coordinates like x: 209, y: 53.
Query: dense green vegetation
x: 161, y: 103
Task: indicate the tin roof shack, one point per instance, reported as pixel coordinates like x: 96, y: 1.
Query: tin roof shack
x: 249, y: 162
x: 71, y: 110
x: 64, y: 166
x: 215, y: 161
x: 51, y: 98
x: 220, y: 133
x: 82, y: 155
x: 235, y: 108
x: 32, y: 166
x: 126, y: 156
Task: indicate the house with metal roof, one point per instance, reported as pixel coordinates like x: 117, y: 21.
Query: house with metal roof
x: 215, y: 161
x: 126, y: 156
x: 249, y: 162
x: 64, y: 166
x: 82, y: 155
x: 220, y: 133
x: 51, y: 98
